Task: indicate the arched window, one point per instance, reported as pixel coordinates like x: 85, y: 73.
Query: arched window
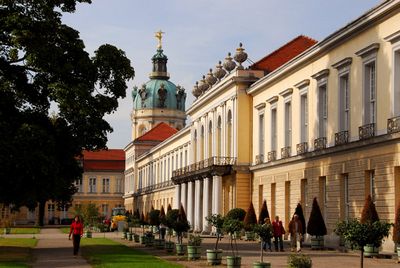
x: 229, y: 134
x: 218, y: 138
x: 210, y: 132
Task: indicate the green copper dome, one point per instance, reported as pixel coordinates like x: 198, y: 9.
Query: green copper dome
x: 159, y: 92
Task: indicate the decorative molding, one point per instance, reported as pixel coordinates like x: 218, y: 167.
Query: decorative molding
x: 304, y: 83
x: 342, y: 63
x: 321, y: 74
x: 260, y: 106
x: 286, y: 92
x: 373, y: 48
x: 273, y: 99
x: 393, y: 38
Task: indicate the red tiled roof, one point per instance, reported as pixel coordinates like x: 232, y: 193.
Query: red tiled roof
x: 284, y: 54
x: 104, y: 160
x: 110, y: 154
x: 160, y: 132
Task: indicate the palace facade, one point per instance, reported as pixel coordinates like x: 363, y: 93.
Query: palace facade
x: 312, y: 119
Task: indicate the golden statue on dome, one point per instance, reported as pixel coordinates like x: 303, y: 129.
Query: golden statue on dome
x: 158, y: 35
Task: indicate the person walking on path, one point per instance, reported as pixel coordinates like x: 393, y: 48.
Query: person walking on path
x: 268, y: 241
x: 279, y: 231
x: 295, y: 230
x: 77, y: 232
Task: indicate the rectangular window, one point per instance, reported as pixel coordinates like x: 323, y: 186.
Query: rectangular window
x: 261, y: 134
x: 370, y: 92
x: 181, y: 158
x: 273, y: 200
x: 78, y: 184
x: 104, y: 210
x: 322, y: 196
x: 322, y: 110
x: 172, y: 163
x: 106, y: 185
x: 288, y: 124
x: 304, y: 195
x: 370, y: 184
x: 396, y: 86
x: 118, y: 186
x: 273, y: 130
x: 50, y: 211
x: 186, y: 158
x: 344, y: 103
x: 92, y: 185
x: 304, y: 118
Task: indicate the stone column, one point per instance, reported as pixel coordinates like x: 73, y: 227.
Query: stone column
x: 177, y: 196
x: 190, y: 203
x: 207, y: 200
x: 184, y: 196
x: 217, y: 195
x: 198, y: 206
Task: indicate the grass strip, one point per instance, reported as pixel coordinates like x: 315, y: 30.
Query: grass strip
x: 25, y: 230
x: 16, y: 252
x: 103, y: 252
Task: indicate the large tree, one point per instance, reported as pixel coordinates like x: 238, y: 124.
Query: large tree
x: 43, y: 63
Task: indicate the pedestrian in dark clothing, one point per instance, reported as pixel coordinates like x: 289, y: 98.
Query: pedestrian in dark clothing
x: 279, y: 231
x: 268, y: 241
x: 77, y: 232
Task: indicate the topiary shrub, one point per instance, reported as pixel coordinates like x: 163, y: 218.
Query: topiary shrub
x: 231, y: 226
x: 216, y: 221
x: 170, y: 219
x: 299, y: 212
x: 154, y: 217
x: 396, y: 228
x: 162, y: 215
x: 369, y: 213
x: 250, y: 219
x: 236, y: 214
x: 263, y: 213
x: 316, y: 224
x: 299, y: 261
x: 181, y: 224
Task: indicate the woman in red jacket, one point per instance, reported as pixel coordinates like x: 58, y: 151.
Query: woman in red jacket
x: 77, y: 231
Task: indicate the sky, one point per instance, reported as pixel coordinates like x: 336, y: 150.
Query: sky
x: 199, y: 33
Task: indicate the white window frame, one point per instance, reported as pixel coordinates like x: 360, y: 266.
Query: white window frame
x: 106, y: 185
x: 322, y: 108
x: 304, y: 115
x: 92, y: 185
x: 274, y: 127
x: 344, y: 100
x: 261, y: 132
x: 288, y: 122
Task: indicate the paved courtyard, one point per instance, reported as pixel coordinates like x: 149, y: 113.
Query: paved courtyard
x: 55, y: 250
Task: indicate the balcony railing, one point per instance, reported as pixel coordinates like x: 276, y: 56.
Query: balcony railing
x: 342, y: 137
x: 302, y: 148
x: 259, y: 159
x: 154, y: 187
x: 285, y: 152
x: 271, y: 156
x: 366, y: 131
x: 393, y: 125
x: 320, y: 143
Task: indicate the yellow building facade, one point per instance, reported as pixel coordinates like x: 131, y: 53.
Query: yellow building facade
x: 324, y: 124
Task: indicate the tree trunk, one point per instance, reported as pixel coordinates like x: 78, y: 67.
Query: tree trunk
x: 362, y: 256
x: 41, y: 212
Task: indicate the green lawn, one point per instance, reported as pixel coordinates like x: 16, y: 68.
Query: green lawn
x: 64, y: 230
x: 102, y: 252
x: 16, y: 252
x: 24, y: 230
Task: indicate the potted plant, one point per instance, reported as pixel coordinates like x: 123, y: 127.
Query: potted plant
x: 193, y: 248
x: 249, y: 220
x: 171, y: 218
x: 299, y: 212
x: 299, y: 261
x: 214, y: 256
x: 231, y: 226
x: 369, y: 215
x: 359, y: 234
x: 316, y: 226
x: 396, y: 231
x: 154, y: 221
x: 265, y: 232
x: 136, y: 223
x: 181, y: 225
x: 237, y: 214
x: 143, y: 223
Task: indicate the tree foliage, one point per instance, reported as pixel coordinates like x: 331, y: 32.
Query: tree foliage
x: 264, y: 213
x: 236, y: 213
x: 250, y: 219
x: 43, y: 62
x: 216, y: 221
x: 369, y: 213
x: 316, y: 224
x: 154, y: 217
x: 299, y: 212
